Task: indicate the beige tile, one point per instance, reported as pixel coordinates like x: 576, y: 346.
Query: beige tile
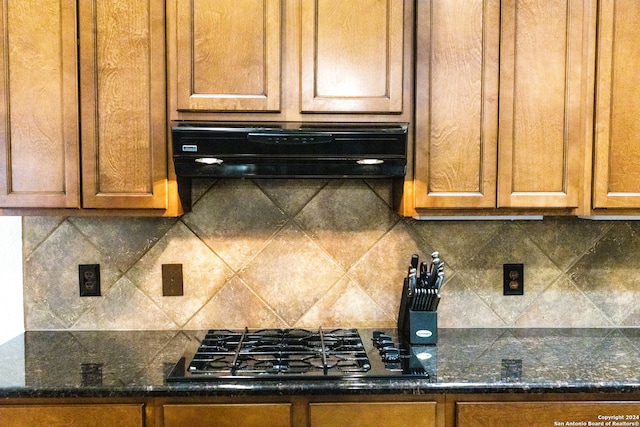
x: 35, y: 229
x: 460, y: 307
x: 607, y: 274
x: 484, y: 272
x: 291, y: 273
x: 346, y: 218
x: 632, y: 320
x: 457, y: 241
x: 51, y: 274
x: 235, y: 219
x: 562, y: 305
x: 384, y: 189
x: 381, y: 271
x: 235, y: 306
x: 204, y: 273
x: 291, y: 195
x: 346, y: 305
x: 38, y: 316
x: 123, y: 240
x: 124, y: 307
x: 199, y: 188
x: 564, y: 240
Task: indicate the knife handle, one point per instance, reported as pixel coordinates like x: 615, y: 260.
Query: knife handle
x: 414, y: 261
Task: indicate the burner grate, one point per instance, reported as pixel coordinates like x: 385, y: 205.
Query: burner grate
x: 280, y: 352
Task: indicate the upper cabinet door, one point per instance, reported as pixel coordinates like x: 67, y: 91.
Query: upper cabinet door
x: 228, y: 55
x: 456, y: 103
x: 617, y: 140
x: 543, y: 99
x: 352, y: 56
x: 122, y: 77
x: 38, y: 104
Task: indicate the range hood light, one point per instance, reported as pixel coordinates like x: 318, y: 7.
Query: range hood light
x: 370, y: 162
x: 209, y: 160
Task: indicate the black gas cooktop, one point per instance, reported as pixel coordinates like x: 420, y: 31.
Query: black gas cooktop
x: 300, y: 353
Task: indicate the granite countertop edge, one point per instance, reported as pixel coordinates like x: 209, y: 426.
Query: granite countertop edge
x: 299, y: 387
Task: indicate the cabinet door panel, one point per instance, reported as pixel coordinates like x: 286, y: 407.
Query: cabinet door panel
x: 457, y: 103
x: 228, y: 55
x: 124, y: 146
x: 617, y: 139
x: 515, y: 414
x: 542, y: 98
x: 228, y: 415
x: 388, y: 414
x: 105, y: 415
x: 38, y: 104
x: 352, y: 55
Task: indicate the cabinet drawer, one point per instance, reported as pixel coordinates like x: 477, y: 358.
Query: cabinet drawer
x: 72, y: 415
x: 388, y: 414
x: 531, y: 414
x: 228, y: 415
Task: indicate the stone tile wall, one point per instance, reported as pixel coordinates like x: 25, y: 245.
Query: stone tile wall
x: 309, y: 253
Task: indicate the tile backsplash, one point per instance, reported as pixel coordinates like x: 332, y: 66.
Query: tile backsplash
x: 331, y: 253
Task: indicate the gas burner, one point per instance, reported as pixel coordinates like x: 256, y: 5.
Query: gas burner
x: 294, y: 353
x: 280, y: 352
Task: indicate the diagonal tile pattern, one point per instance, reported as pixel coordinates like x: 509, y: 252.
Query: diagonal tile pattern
x: 308, y: 273
x: 309, y: 253
x: 606, y: 274
x: 204, y: 273
x: 346, y: 218
x: 235, y: 219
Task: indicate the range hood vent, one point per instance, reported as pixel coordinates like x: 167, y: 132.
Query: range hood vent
x: 286, y: 150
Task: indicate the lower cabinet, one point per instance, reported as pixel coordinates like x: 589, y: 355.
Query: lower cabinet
x: 439, y: 410
x: 301, y: 413
x: 373, y: 414
x: 228, y: 415
x: 558, y: 413
x: 85, y: 415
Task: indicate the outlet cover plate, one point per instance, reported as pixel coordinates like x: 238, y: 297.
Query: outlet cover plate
x: 89, y: 280
x: 513, y: 277
x: 172, y: 285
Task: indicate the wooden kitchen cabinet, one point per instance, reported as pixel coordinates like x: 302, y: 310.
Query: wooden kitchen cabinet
x: 352, y: 56
x: 514, y: 414
x: 290, y: 59
x: 616, y: 181
x: 123, y: 116
x: 227, y: 415
x: 228, y: 55
x: 502, y: 97
x: 87, y: 415
x: 39, y: 132
x: 92, y: 65
x: 373, y: 414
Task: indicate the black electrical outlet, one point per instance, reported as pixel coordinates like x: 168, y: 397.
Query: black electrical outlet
x: 513, y: 277
x: 89, y: 278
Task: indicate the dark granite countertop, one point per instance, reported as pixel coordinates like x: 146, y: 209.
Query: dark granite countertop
x: 127, y: 364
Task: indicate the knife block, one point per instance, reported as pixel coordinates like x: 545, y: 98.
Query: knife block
x: 421, y: 327
x: 418, y: 327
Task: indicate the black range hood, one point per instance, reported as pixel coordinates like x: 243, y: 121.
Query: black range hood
x: 286, y: 150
